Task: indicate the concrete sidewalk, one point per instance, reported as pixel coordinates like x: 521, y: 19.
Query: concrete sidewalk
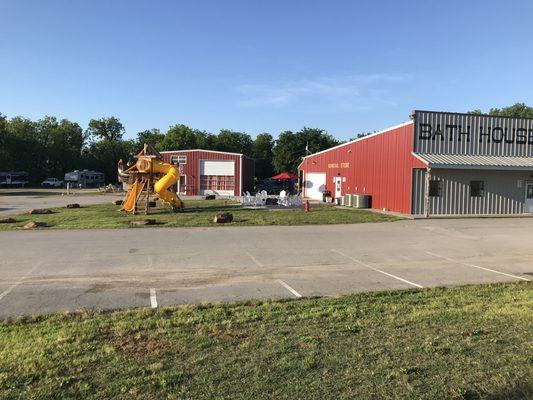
x: 43, y: 271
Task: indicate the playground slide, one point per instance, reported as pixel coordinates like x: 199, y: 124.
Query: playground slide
x: 162, y: 185
x: 134, y: 192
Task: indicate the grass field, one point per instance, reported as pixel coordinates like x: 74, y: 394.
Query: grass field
x: 461, y: 343
x: 197, y: 213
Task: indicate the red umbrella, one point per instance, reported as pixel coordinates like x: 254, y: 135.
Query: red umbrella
x: 284, y: 175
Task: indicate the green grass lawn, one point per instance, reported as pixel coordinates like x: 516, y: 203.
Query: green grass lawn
x: 196, y: 213
x: 460, y: 343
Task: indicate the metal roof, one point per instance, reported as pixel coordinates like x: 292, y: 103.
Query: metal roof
x: 463, y: 161
x: 206, y: 151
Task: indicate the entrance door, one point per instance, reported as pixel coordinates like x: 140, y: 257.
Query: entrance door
x: 314, y: 184
x: 182, y: 185
x: 529, y: 198
x: 338, y: 187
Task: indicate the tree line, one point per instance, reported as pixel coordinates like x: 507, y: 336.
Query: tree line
x: 50, y: 147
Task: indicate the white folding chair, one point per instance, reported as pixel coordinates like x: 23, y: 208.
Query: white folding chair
x: 283, y: 199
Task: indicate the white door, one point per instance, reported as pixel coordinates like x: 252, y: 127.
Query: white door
x: 338, y: 187
x: 314, y: 184
x: 217, y: 177
x: 529, y: 198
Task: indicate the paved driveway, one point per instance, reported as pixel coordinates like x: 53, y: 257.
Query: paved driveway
x: 43, y: 271
x: 14, y: 201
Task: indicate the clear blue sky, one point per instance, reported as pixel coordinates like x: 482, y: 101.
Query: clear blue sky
x: 255, y: 66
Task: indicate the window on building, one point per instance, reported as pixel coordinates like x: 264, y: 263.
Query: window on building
x: 477, y: 188
x: 178, y: 160
x: 216, y: 182
x: 529, y: 191
x: 435, y: 187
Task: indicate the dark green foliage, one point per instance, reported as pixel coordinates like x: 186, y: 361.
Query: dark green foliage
x: 106, y: 146
x: 262, y: 153
x: 49, y: 148
x: 291, y: 147
x: 42, y: 148
x: 234, y: 142
x: 180, y: 137
x: 106, y: 129
x: 517, y: 110
x: 152, y: 136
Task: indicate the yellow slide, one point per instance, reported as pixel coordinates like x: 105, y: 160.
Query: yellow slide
x: 170, y: 178
x: 134, y: 192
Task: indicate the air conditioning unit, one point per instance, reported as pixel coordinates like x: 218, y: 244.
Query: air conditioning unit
x: 361, y: 201
x: 348, y: 200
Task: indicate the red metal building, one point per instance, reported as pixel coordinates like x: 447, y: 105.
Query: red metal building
x: 380, y: 165
x: 212, y: 172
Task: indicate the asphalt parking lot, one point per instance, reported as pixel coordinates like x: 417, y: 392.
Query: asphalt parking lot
x: 45, y: 271
x: 14, y: 201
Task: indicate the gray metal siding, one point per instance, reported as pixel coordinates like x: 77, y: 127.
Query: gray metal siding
x: 488, y: 135
x: 418, y: 190
x: 504, y: 192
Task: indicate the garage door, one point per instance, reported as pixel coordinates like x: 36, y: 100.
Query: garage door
x: 315, y: 184
x: 217, y: 177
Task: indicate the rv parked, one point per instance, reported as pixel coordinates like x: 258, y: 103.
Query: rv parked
x: 84, y: 178
x: 13, y: 179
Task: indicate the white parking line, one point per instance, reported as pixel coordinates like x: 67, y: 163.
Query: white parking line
x: 294, y: 292
x: 153, y: 298
x: 9, y: 289
x: 376, y: 269
x: 255, y: 260
x: 475, y: 266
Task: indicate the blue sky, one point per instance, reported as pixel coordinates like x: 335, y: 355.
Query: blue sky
x: 256, y: 66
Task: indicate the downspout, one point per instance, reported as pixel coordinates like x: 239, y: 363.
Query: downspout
x: 426, y: 193
x: 304, y: 190
x: 240, y: 176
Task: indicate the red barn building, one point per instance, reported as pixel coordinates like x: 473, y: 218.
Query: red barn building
x: 438, y: 163
x: 379, y: 165
x: 205, y: 172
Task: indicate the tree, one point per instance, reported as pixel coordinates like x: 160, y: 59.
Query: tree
x: 106, y: 146
x: 152, y: 136
x: 61, y: 144
x: 26, y: 152
x: 65, y: 148
x: 206, y: 140
x: 262, y: 153
x: 103, y: 155
x: 517, y: 110
x: 180, y: 137
x: 5, y: 151
x: 44, y: 148
x: 106, y: 128
x: 234, y: 142
x: 291, y: 147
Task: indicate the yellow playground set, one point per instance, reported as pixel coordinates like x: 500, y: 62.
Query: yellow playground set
x: 150, y: 172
